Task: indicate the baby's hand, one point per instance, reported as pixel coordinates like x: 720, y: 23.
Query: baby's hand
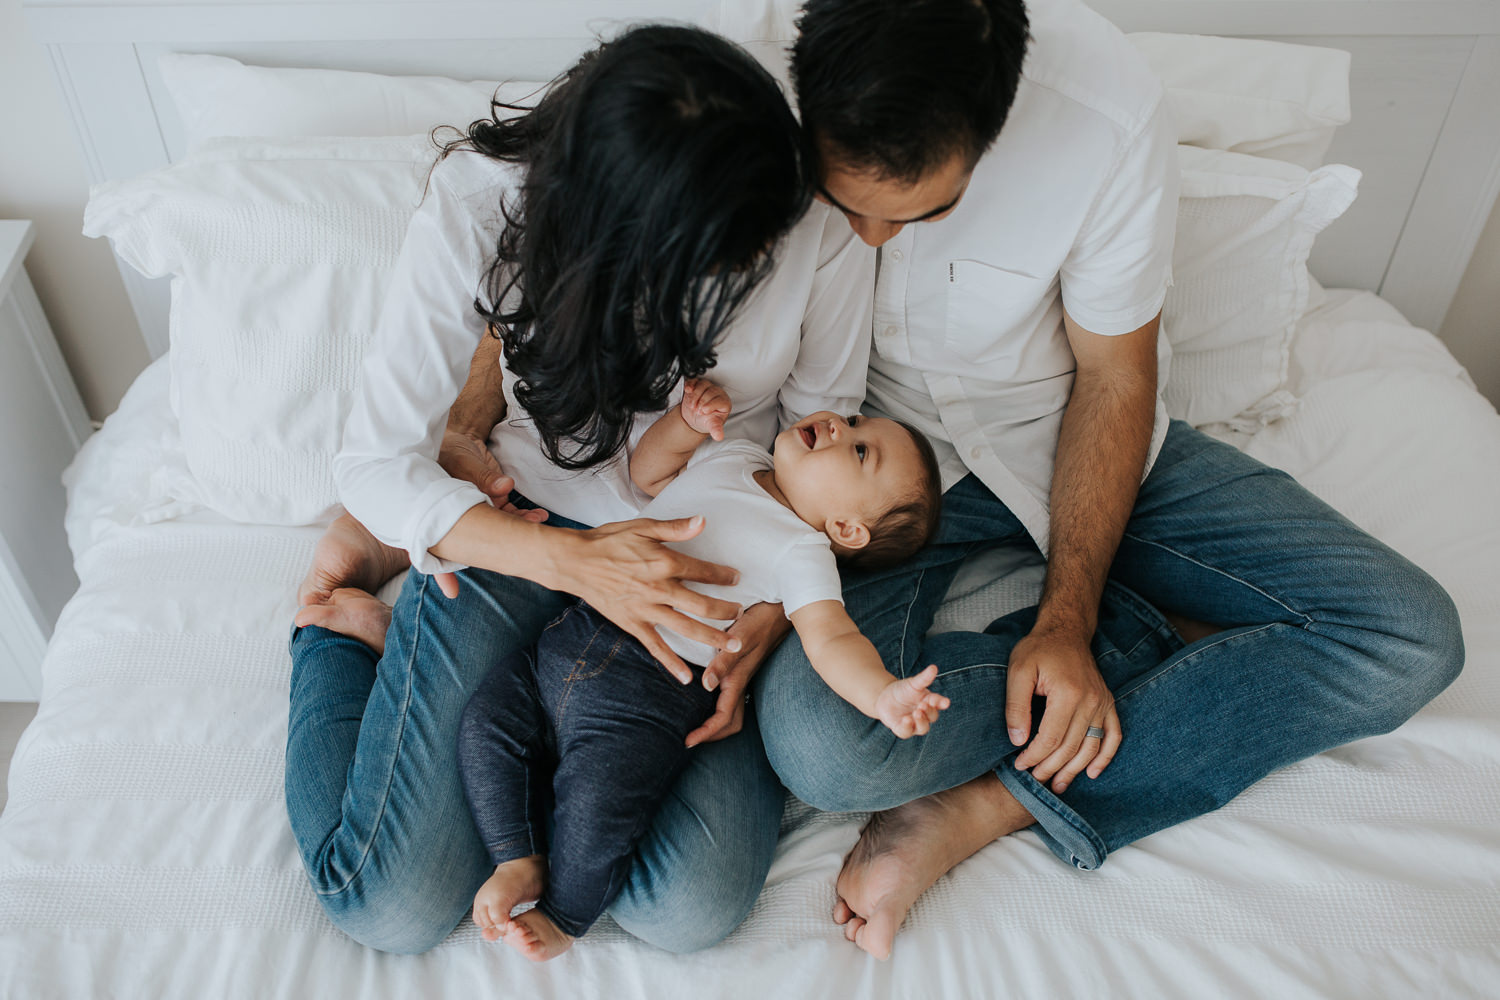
x: 705, y: 407
x: 907, y: 707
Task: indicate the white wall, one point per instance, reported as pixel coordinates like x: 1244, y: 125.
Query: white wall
x: 1472, y: 327
x: 42, y: 178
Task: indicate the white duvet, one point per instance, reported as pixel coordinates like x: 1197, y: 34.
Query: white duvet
x: 145, y: 850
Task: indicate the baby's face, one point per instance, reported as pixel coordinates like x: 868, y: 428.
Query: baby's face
x: 832, y: 467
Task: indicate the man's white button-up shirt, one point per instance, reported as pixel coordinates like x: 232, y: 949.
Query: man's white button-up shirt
x: 1075, y: 204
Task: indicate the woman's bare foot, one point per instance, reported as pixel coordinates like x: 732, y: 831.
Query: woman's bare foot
x: 350, y: 612
x: 514, y: 884
x: 349, y: 556
x: 903, y: 851
x: 537, y: 937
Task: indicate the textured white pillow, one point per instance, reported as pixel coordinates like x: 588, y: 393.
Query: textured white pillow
x: 1247, y: 95
x: 1245, y: 226
x: 279, y: 252
x: 216, y: 96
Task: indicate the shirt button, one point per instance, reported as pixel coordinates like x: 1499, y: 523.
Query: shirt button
x: 891, y: 331
x: 897, y: 255
x: 976, y: 451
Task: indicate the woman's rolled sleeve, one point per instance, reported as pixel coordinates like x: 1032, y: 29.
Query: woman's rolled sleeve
x: 387, y: 471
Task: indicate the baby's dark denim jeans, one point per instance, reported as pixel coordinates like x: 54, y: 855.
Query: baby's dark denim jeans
x: 586, y: 726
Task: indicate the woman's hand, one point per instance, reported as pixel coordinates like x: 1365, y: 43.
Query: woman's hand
x: 760, y: 630
x: 466, y: 457
x: 625, y: 572
x: 705, y: 406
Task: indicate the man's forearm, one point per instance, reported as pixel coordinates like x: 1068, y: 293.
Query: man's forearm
x: 1101, y: 454
x: 481, y: 402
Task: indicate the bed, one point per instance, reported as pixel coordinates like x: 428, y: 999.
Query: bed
x: 145, y: 851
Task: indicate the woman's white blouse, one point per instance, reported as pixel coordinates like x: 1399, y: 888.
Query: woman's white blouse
x: 799, y: 344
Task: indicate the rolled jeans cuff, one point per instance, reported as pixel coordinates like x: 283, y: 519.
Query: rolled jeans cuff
x: 1066, y: 834
x: 571, y: 928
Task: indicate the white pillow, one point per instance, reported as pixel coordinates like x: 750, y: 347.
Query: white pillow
x: 216, y: 96
x: 1246, y: 95
x: 279, y: 252
x: 1245, y: 225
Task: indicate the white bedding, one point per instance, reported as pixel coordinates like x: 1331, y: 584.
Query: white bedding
x: 145, y: 850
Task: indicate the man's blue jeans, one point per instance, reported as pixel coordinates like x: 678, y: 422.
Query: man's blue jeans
x: 1329, y: 636
x: 378, y: 810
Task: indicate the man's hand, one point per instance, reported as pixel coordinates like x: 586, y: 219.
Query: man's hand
x: 468, y: 458
x: 1101, y: 457
x: 1059, y: 667
x: 760, y: 630
x: 465, y: 457
x: 705, y: 406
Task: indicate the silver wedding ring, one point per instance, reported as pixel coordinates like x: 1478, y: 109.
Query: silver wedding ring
x: 1094, y: 733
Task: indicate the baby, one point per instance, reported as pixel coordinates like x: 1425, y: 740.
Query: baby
x: 591, y: 718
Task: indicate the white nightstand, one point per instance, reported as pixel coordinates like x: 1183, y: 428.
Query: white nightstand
x: 42, y: 426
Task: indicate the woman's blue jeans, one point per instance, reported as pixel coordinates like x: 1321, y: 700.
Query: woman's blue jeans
x: 378, y: 810
x: 1329, y: 636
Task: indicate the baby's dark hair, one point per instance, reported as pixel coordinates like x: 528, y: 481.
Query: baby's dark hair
x: 909, y: 524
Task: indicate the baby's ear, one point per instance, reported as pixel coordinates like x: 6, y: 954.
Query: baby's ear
x: 850, y: 533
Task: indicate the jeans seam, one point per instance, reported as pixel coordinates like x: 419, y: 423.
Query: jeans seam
x: 1160, y: 632
x: 1153, y: 678
x: 559, y: 619
x: 906, y: 621
x: 574, y: 676
x: 973, y: 666
x: 1306, y: 618
x: 1144, y: 609
x: 400, y: 739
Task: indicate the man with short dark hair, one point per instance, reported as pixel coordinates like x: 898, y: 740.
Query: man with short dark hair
x: 1204, y: 619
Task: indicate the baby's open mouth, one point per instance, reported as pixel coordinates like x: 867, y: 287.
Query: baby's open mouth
x: 809, y: 436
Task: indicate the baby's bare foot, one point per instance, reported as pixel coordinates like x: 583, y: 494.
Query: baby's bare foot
x: 349, y: 556
x: 536, y: 937
x: 513, y: 884
x: 349, y: 612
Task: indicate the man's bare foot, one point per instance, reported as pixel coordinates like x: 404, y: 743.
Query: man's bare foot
x: 350, y: 612
x: 513, y: 884
x: 903, y: 851
x: 536, y: 937
x: 349, y: 556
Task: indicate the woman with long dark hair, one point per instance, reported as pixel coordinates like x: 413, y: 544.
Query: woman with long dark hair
x: 648, y: 221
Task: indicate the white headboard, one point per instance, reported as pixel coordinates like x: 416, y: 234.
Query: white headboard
x: 1425, y: 87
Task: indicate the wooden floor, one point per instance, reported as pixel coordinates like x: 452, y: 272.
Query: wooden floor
x: 14, y: 717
